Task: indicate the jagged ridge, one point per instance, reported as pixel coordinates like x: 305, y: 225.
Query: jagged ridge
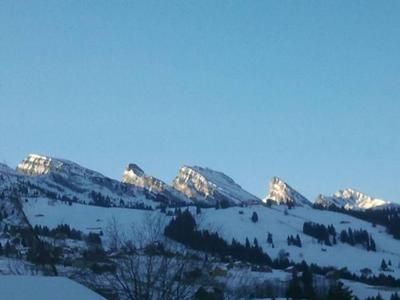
x: 134, y: 175
x: 351, y: 199
x: 211, y: 187
x: 282, y: 193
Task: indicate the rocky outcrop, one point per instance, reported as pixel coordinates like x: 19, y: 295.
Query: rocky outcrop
x: 134, y: 175
x: 211, y: 187
x: 351, y: 199
x: 283, y: 194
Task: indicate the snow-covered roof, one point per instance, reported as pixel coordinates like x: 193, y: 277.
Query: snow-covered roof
x: 44, y: 288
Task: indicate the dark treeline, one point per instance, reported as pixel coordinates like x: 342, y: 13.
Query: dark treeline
x: 182, y: 228
x: 358, y: 237
x: 294, y: 241
x: 389, y: 217
x: 322, y: 233
x: 344, y: 273
x: 327, y: 235
x: 61, y: 231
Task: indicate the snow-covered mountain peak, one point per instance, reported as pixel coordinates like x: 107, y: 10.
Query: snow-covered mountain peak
x: 351, y: 199
x: 211, y: 187
x: 134, y: 175
x: 282, y: 193
x: 35, y: 165
x: 134, y: 169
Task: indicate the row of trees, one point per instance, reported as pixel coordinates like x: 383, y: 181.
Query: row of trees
x: 358, y: 237
x: 62, y: 231
x: 294, y: 241
x: 183, y: 229
x: 388, y: 217
x: 324, y: 234
x: 327, y: 235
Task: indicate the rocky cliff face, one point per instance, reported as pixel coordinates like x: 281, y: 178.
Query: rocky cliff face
x: 351, y: 199
x: 36, y: 165
x: 211, y: 187
x: 134, y: 175
x: 282, y: 193
x: 61, y: 178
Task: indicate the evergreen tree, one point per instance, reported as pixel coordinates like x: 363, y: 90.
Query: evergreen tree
x: 339, y: 291
x: 255, y: 243
x: 298, y: 241
x: 351, y: 238
x: 307, y: 279
x: 247, y: 243
x: 7, y: 249
x: 383, y: 265
x: 372, y: 244
x: 269, y: 238
x: 294, y: 289
x: 254, y: 217
x: 395, y: 296
x: 344, y: 237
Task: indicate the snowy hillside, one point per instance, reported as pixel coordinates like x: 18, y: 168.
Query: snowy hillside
x: 282, y: 193
x: 236, y: 223
x: 210, y: 187
x: 85, y: 218
x: 351, y: 199
x: 75, y: 208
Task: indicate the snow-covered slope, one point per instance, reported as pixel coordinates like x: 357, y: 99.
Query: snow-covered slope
x: 282, y: 193
x: 134, y: 175
x: 235, y: 222
x: 85, y: 218
x: 351, y: 199
x: 43, y: 288
x: 363, y: 291
x: 210, y: 187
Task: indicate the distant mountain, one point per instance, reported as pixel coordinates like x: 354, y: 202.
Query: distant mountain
x: 62, y: 204
x: 62, y: 179
x: 210, y: 187
x: 282, y: 193
x: 134, y: 175
x: 351, y: 199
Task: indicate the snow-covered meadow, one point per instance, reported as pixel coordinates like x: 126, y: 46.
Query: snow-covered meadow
x: 235, y: 223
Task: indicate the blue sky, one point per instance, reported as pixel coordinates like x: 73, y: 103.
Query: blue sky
x: 305, y: 90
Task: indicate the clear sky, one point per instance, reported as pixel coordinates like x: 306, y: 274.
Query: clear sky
x: 305, y: 90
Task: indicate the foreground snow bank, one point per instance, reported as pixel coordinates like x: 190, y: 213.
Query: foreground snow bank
x: 43, y: 288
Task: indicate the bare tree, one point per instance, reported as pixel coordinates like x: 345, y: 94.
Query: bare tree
x: 148, y: 266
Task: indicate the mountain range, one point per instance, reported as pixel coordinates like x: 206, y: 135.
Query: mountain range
x: 192, y: 185
x: 46, y: 194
